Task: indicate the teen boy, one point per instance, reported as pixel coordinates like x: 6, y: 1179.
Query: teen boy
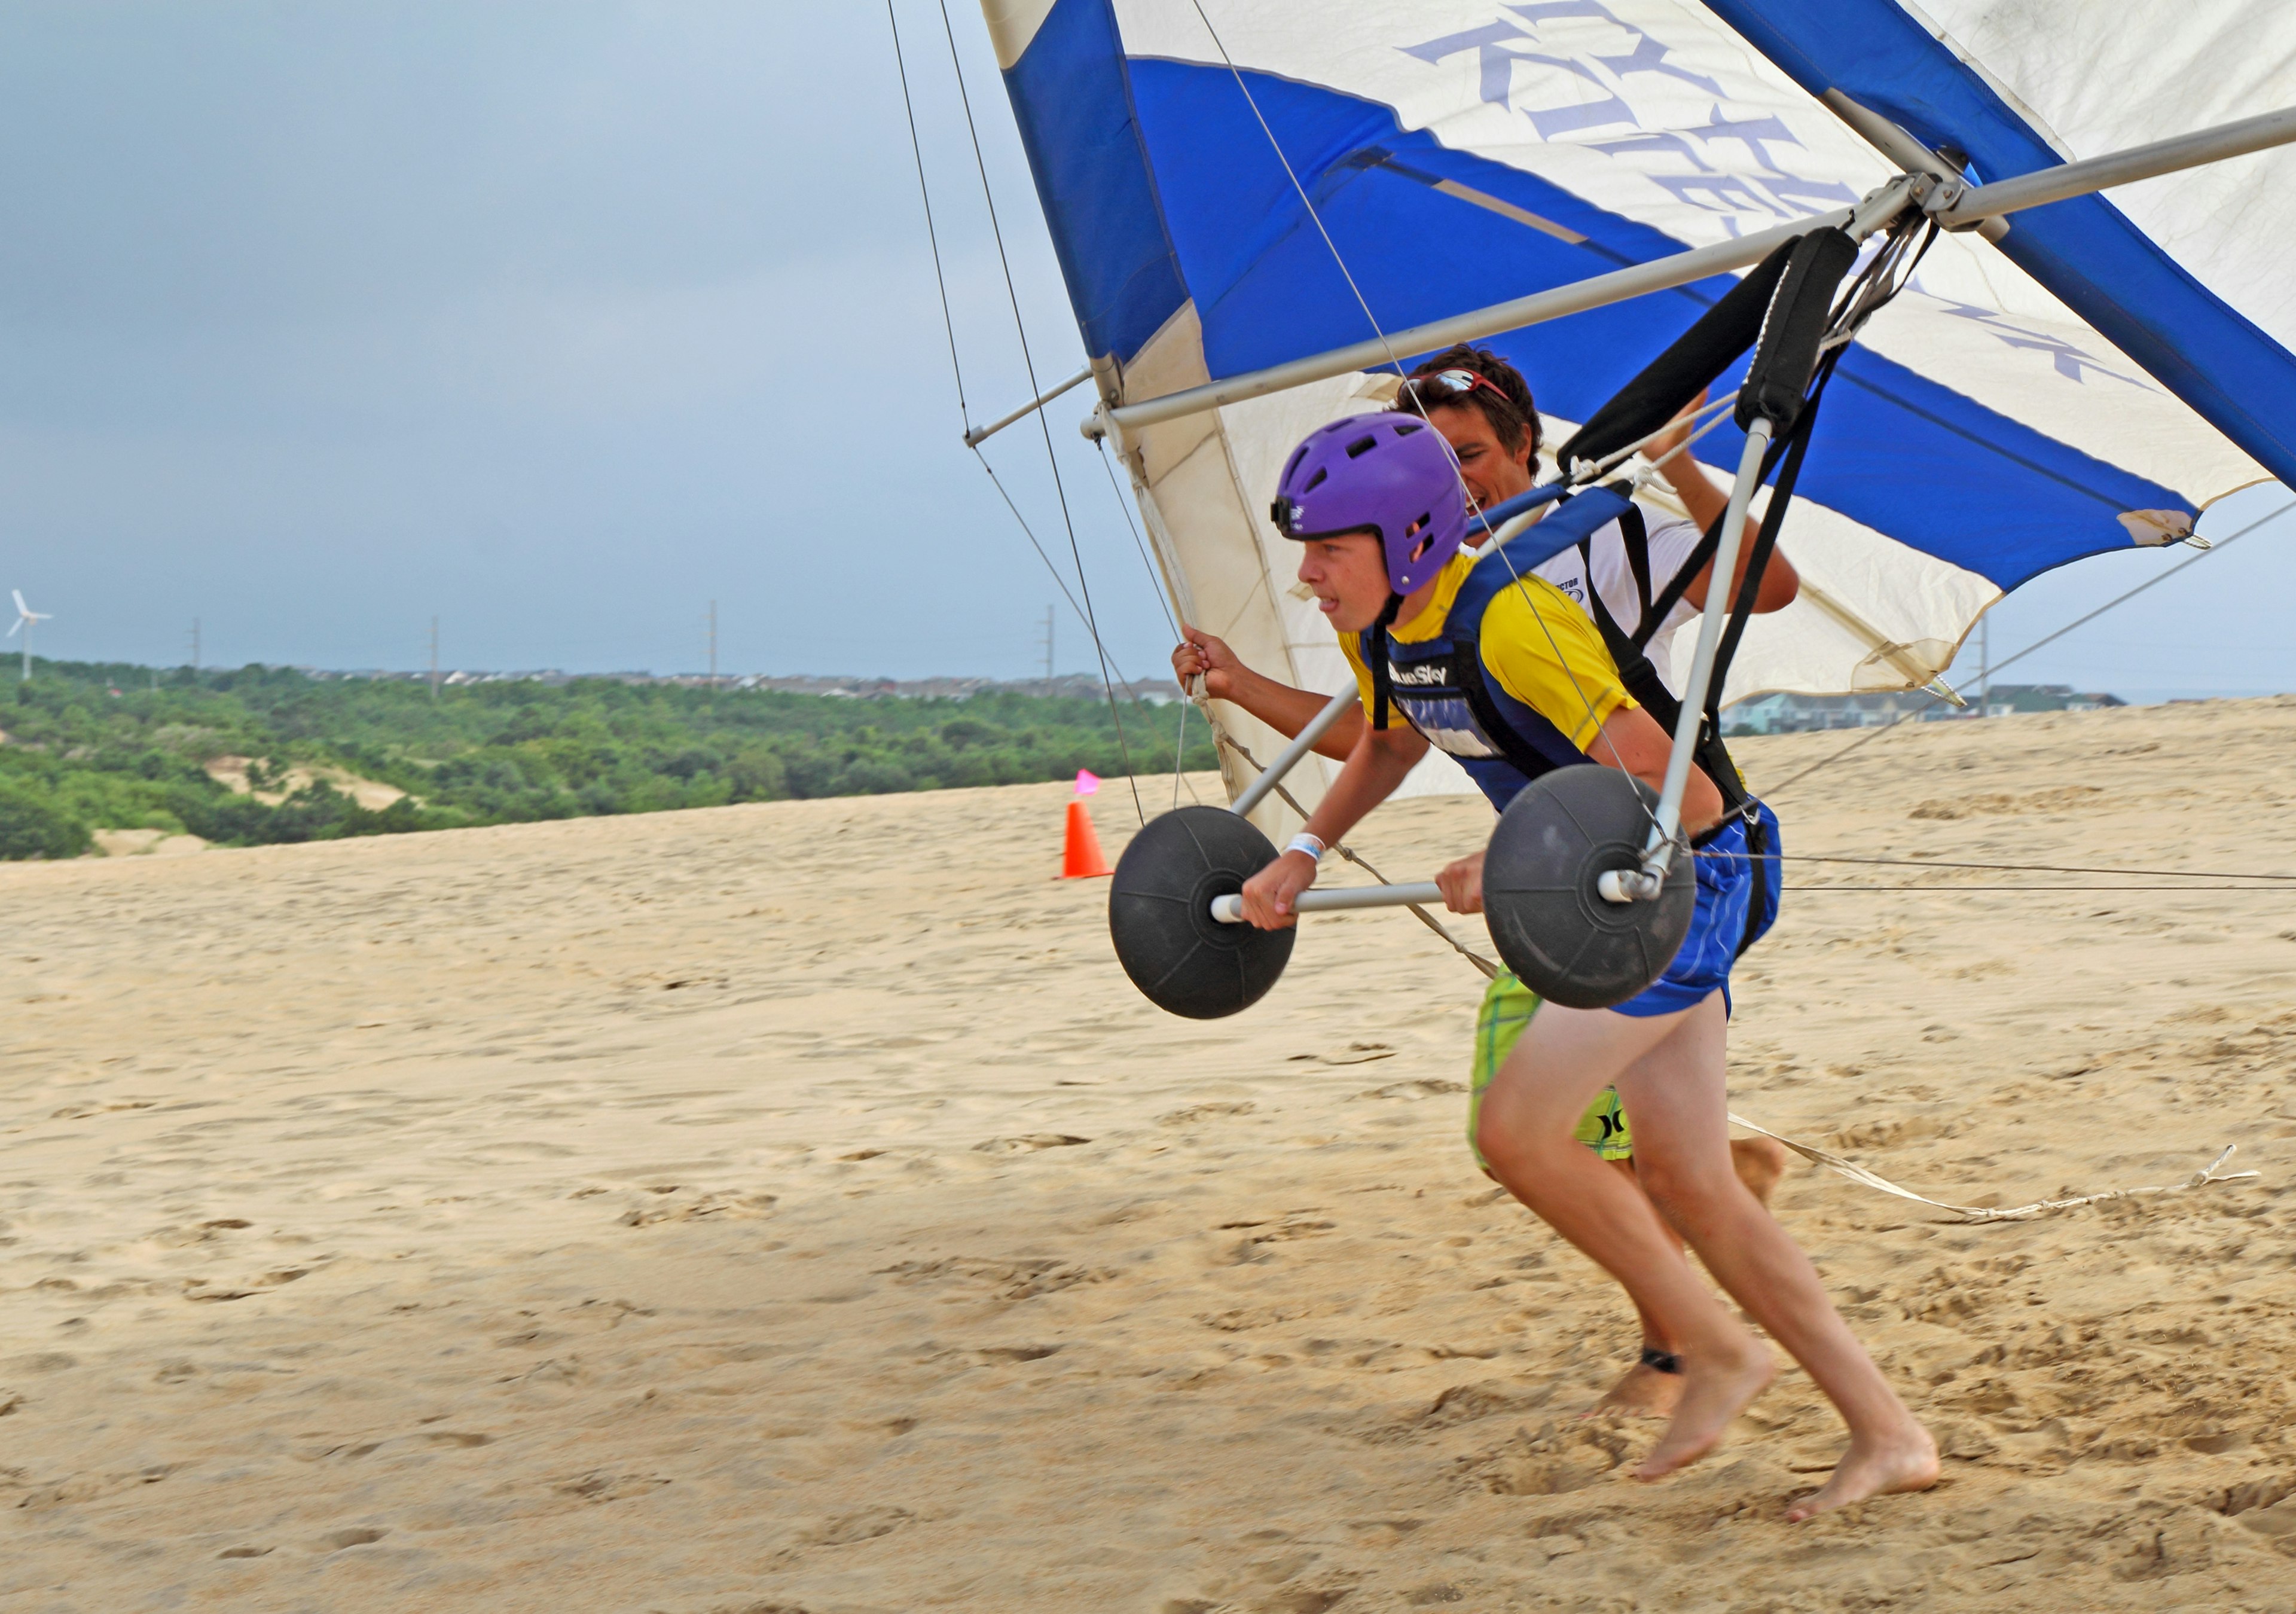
x: 1521, y: 684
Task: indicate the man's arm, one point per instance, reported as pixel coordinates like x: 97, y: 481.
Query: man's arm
x: 1707, y: 504
x: 1281, y: 706
x: 1377, y: 764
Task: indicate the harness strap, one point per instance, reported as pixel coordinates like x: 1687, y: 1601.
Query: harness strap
x: 1766, y: 539
x: 1651, y: 692
x: 1382, y: 677
x: 1635, y: 533
x: 1527, y: 758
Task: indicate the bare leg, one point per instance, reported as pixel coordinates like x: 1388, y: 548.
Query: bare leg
x: 1643, y: 1390
x: 1564, y: 1057
x: 1649, y: 1391
x: 1675, y: 1095
x: 1760, y: 1163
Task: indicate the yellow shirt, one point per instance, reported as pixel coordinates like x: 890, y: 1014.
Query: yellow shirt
x: 1536, y: 642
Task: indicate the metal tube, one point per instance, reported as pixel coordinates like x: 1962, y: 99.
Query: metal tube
x: 1660, y: 851
x: 1229, y: 910
x: 1902, y: 148
x: 1677, y: 269
x: 982, y: 434
x: 1288, y: 758
x: 2072, y: 179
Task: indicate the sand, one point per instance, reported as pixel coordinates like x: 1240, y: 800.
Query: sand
x: 792, y: 1208
x: 232, y: 773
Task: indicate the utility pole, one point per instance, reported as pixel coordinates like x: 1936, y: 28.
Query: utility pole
x: 713, y: 647
x: 195, y: 649
x: 434, y: 657
x: 1048, y: 644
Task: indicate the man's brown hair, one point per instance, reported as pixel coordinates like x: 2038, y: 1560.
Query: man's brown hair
x: 1514, y: 422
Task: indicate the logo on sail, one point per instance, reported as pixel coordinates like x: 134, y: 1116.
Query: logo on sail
x: 1588, y: 66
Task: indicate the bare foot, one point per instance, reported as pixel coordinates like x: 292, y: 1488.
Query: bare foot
x: 1642, y: 1392
x: 1905, y: 1460
x: 1715, y: 1389
x: 1760, y: 1163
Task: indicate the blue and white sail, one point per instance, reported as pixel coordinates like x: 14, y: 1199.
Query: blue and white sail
x: 2089, y: 381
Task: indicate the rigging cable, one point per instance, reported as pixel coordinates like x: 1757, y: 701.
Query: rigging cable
x: 2033, y: 868
x: 1315, y: 218
x: 1156, y: 588
x: 932, y: 235
x: 1987, y: 890
x: 1051, y: 460
x: 1474, y: 508
x: 2216, y: 546
x: 948, y: 323
x: 1156, y: 584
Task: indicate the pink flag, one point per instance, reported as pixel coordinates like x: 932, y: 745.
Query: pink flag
x: 1087, y: 781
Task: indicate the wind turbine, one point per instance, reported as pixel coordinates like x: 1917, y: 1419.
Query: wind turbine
x: 25, y: 617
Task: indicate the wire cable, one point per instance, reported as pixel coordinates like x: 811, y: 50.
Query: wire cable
x: 1314, y: 218
x: 916, y: 148
x: 1474, y: 508
x: 1868, y: 739
x: 2008, y: 868
x: 1974, y: 890
x: 956, y: 364
x: 2216, y: 546
x: 1155, y: 583
x: 1052, y: 459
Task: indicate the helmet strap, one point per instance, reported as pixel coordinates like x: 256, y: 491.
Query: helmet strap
x: 1375, y: 647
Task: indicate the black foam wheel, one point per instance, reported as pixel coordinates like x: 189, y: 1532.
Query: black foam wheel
x: 1160, y: 914
x: 1556, y: 931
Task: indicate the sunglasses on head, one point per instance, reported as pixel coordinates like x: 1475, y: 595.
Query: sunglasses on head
x: 1445, y: 386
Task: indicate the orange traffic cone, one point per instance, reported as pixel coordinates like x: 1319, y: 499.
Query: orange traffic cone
x: 1080, y: 858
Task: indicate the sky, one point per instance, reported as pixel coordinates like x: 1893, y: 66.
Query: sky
x: 558, y: 320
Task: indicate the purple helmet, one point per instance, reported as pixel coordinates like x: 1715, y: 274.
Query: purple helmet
x: 1390, y: 473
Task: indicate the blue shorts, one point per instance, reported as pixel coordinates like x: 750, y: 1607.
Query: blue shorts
x: 1726, y: 872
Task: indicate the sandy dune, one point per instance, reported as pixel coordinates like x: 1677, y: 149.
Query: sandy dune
x: 232, y: 773
x: 792, y: 1208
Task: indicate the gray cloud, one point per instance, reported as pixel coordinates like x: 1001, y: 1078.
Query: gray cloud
x: 553, y: 319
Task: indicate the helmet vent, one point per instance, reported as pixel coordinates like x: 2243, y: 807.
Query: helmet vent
x: 1361, y: 447
x: 1317, y: 481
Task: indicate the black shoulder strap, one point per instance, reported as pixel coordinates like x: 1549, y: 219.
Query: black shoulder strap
x: 1371, y: 644
x: 1634, y: 534
x: 1634, y: 668
x: 1766, y: 543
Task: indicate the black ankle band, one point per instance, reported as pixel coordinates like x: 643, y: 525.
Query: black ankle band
x: 1664, y: 1361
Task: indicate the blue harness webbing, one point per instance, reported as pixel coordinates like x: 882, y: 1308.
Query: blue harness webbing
x: 1440, y: 685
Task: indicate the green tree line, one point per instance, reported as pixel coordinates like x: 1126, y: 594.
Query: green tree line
x: 94, y: 746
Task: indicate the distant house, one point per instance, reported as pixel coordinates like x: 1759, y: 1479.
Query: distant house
x: 1793, y: 714
x: 1790, y: 714
x: 2006, y: 700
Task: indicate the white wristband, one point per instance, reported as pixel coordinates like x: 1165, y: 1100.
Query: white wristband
x: 1304, y: 842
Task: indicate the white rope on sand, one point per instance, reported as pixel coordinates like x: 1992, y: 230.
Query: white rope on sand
x: 2211, y: 1173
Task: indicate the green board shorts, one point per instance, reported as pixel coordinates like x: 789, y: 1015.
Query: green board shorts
x: 1507, y: 1007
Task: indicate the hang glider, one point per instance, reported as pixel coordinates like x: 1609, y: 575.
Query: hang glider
x: 1258, y: 206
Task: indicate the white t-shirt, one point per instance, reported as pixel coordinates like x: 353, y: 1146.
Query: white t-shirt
x: 1671, y: 540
